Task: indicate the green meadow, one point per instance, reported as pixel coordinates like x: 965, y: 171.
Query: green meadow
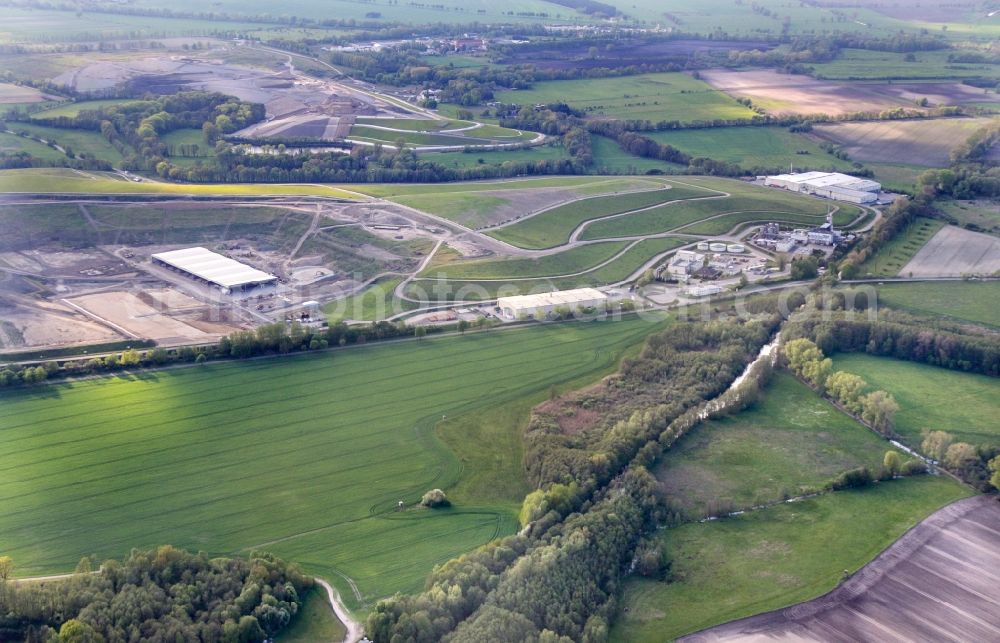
x: 931, y: 398
x: 305, y: 456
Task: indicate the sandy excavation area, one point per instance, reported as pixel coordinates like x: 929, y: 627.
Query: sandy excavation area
x: 954, y: 252
x: 48, y: 325
x: 150, y: 315
x: 939, y: 582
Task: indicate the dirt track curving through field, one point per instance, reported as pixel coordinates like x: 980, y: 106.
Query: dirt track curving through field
x: 354, y: 628
x: 939, y: 582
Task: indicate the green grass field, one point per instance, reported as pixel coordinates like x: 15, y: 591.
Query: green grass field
x: 496, y: 157
x: 315, y: 622
x: 74, y: 140
x: 374, y: 303
x: 897, y: 177
x: 959, y: 300
x: 562, y: 263
x: 190, y: 138
x: 553, y: 227
x: 768, y: 559
x: 753, y: 147
x: 746, y: 203
x: 485, y: 135
x: 982, y: 215
x: 931, y: 398
x: 73, y: 109
x: 864, y: 64
x: 12, y: 144
x: 610, y: 158
x: 791, y: 442
x: 655, y: 97
x: 614, y: 272
x: 888, y: 261
x: 188, y: 457
x: 393, y: 190
x: 47, y: 181
x: 482, y: 204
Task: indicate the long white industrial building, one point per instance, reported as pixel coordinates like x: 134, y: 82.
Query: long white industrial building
x: 540, y: 305
x: 212, y: 268
x: 832, y: 185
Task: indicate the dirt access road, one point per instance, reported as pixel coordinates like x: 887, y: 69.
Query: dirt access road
x: 939, y: 582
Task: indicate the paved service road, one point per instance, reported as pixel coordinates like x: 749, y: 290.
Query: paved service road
x: 939, y: 582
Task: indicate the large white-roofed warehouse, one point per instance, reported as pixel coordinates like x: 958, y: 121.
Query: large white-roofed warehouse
x: 540, y: 305
x: 212, y: 268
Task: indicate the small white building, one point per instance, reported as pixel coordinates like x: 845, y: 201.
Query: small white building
x: 703, y: 291
x: 540, y: 305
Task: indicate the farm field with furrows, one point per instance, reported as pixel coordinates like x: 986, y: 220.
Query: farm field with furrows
x: 790, y: 443
x: 654, y: 97
x: 772, y: 558
x: 327, y: 469
x: 931, y: 398
x: 553, y: 227
x: 920, y: 142
x: 966, y: 300
x: 753, y: 147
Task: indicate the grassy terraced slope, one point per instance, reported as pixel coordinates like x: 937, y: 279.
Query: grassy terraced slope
x: 304, y: 456
x: 553, y: 227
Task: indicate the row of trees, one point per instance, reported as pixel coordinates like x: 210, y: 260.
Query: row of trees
x: 164, y: 594
x: 901, y: 336
x: 876, y: 408
x: 557, y: 580
x: 269, y: 339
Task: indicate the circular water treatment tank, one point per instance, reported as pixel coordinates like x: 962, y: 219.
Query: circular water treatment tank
x: 717, y: 247
x: 736, y: 248
x: 703, y: 245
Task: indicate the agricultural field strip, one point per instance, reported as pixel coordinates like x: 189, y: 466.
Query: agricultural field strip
x: 309, y: 416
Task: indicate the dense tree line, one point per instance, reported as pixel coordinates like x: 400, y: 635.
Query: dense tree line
x: 270, y: 339
x: 558, y: 578
x: 134, y: 128
x: 165, y: 594
x: 978, y: 465
x: 901, y: 336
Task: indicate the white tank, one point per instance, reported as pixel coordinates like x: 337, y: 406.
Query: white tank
x: 703, y: 245
x: 736, y: 248
x: 717, y: 247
